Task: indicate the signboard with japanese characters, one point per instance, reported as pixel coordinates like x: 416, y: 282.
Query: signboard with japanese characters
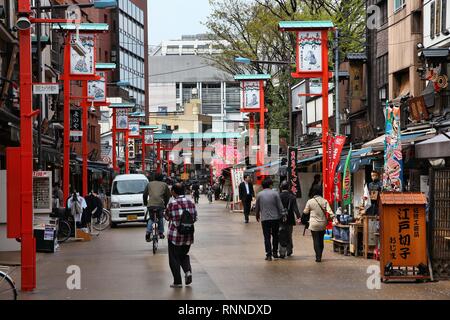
x: 122, y: 119
x: 42, y: 191
x: 97, y: 89
x: 76, y: 128
x: 309, y: 51
x: 45, y: 88
x: 82, y: 54
x: 293, y: 178
x: 403, y: 230
x: 252, y: 95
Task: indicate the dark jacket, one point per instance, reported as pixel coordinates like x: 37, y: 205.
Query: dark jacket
x: 243, y: 196
x: 289, y: 201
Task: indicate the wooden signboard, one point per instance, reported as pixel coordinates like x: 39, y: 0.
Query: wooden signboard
x: 403, y: 235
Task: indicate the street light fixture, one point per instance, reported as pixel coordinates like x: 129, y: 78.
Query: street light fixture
x: 23, y: 23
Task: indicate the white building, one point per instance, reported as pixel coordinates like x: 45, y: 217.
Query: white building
x: 181, y: 68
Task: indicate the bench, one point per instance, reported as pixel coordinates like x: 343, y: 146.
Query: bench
x: 341, y: 246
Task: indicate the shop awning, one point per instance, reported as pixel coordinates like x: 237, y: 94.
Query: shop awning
x: 437, y: 147
x: 408, y: 137
x: 266, y: 166
x: 314, y: 158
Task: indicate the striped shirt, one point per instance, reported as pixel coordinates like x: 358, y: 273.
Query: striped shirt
x: 173, y: 214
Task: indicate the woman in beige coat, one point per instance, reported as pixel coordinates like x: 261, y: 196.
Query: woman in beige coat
x: 318, y: 208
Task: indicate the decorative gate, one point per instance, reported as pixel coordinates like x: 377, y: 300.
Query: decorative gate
x: 440, y: 222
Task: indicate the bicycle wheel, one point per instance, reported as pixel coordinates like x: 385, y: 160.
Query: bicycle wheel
x: 7, y: 288
x: 104, y: 221
x: 155, y: 238
x: 64, y: 231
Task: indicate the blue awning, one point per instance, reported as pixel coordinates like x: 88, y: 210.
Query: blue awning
x: 314, y: 158
x: 266, y: 166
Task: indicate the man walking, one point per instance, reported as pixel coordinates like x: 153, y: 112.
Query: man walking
x: 246, y: 195
x: 179, y: 244
x: 289, y: 201
x: 270, y: 211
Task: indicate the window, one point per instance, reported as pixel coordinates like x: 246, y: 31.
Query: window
x: 438, y: 17
x: 399, y: 4
x: 444, y: 17
x: 416, y: 24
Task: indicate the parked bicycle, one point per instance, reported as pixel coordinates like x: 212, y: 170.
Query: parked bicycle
x: 64, y: 230
x: 8, y: 289
x: 103, y: 222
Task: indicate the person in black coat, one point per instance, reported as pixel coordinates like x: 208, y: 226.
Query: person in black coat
x: 289, y: 201
x: 246, y: 195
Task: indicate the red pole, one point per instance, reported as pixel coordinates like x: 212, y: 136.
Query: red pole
x: 28, y: 243
x: 66, y: 77
x: 127, y: 151
x: 84, y: 107
x: 143, y: 150
x: 325, y: 80
x: 262, y: 111
x: 158, y: 156
x: 114, y: 143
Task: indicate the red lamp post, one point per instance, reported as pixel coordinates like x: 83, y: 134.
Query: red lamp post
x: 312, y: 62
x: 253, y: 102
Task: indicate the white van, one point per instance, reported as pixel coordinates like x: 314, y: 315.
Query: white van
x: 127, y: 203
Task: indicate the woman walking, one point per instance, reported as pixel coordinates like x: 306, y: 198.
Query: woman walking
x: 320, y: 213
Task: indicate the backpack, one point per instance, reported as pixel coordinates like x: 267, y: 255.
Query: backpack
x: 186, y: 226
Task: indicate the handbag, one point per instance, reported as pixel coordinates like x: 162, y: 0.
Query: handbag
x: 327, y: 216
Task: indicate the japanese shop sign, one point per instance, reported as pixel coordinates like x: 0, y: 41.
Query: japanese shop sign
x: 82, y: 64
x: 134, y: 128
x: 294, y: 181
x: 252, y: 95
x: 403, y: 230
x: 149, y: 137
x: 45, y: 88
x: 76, y: 129
x: 309, y: 51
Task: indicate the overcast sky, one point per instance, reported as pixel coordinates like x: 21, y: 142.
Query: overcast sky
x: 169, y: 19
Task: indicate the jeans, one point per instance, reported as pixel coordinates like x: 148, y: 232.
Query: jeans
x: 160, y: 221
x: 288, y: 249
x: 178, y: 257
x: 318, y: 242
x: 271, y: 228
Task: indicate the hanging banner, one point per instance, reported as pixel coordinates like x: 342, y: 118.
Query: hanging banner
x: 327, y: 192
x: 393, y: 158
x: 122, y: 119
x: 338, y: 145
x: 82, y: 64
x: 149, y: 136
x: 293, y: 178
x: 251, y: 99
x: 338, y: 188
x: 309, y: 51
x: 97, y: 89
x: 347, y: 182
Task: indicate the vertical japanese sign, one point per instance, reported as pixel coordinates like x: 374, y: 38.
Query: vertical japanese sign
x: 82, y: 64
x: 237, y: 177
x: 338, y: 143
x: 121, y: 119
x: 347, y: 182
x: 251, y: 98
x: 97, y: 89
x: 393, y: 159
x: 404, y: 235
x: 309, y: 51
x: 293, y: 178
x: 76, y: 128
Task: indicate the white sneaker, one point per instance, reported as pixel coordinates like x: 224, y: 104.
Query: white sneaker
x: 176, y: 285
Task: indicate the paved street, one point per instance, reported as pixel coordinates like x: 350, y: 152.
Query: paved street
x: 228, y: 263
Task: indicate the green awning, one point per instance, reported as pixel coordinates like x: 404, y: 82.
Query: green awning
x: 243, y: 77
x: 311, y: 25
x: 83, y: 27
x: 105, y: 66
x: 122, y: 105
x: 44, y: 39
x: 199, y: 136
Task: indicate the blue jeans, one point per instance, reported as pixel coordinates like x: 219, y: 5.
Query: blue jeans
x: 160, y: 221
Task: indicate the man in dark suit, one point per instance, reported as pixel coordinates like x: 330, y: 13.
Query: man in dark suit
x: 246, y: 195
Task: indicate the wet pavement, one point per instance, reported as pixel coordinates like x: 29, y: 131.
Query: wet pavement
x: 228, y: 263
